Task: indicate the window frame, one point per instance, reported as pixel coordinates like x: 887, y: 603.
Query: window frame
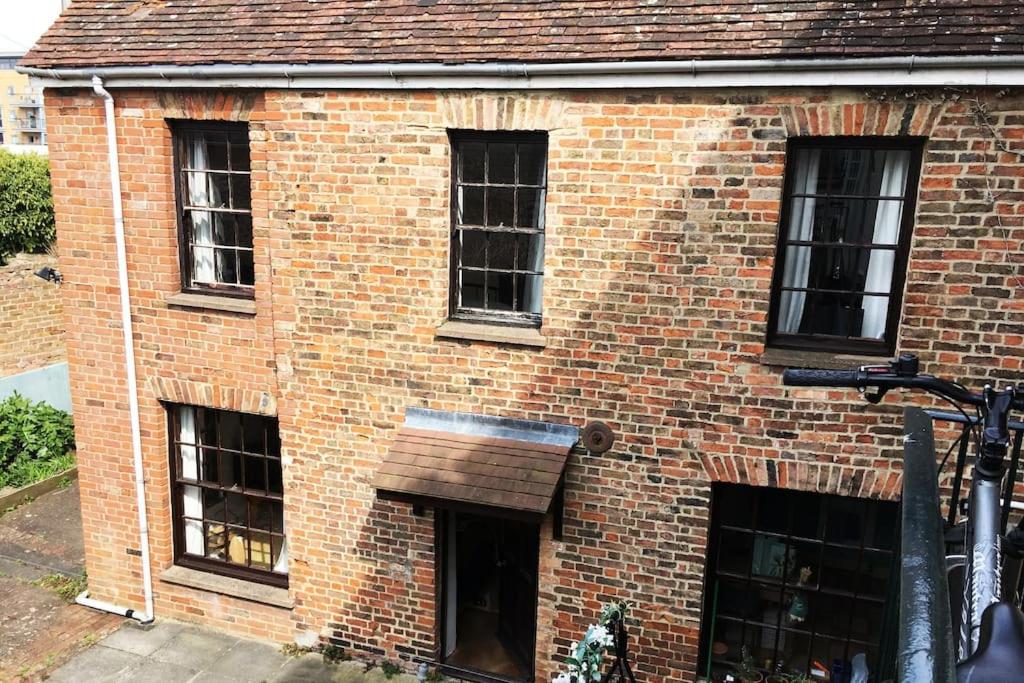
x: 180, y: 557
x: 456, y: 138
x: 179, y: 127
x: 835, y: 343
x: 871, y: 510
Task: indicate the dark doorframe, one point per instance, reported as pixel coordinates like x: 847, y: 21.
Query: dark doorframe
x: 517, y: 629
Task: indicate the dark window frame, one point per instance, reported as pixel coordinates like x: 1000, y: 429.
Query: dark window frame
x: 455, y: 310
x: 885, y: 653
x: 179, y: 129
x: 835, y: 343
x: 177, y: 484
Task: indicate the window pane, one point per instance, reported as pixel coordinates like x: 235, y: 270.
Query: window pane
x: 532, y: 163
x: 260, y: 550
x: 274, y: 484
x: 237, y: 509
x: 474, y: 248
x: 255, y: 474
x: 530, y: 252
x: 210, y: 467
x: 216, y: 541
x: 265, y: 514
x: 231, y: 470
x: 220, y: 192
x: 216, y: 152
x: 501, y: 250
x: 226, y: 266
x: 240, y: 156
x: 471, y: 155
x: 246, y: 271
x: 213, y: 505
x: 501, y: 163
x: 240, y: 192
x: 499, y: 291
x: 528, y: 292
x: 224, y: 229
x: 197, y: 192
x: 471, y: 206
x: 472, y: 290
x: 244, y: 223
x: 500, y: 206
x: 735, y: 552
x: 530, y: 209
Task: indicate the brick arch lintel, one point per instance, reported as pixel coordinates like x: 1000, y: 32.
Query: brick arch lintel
x: 878, y: 118
x: 816, y: 477
x: 212, y: 396
x: 203, y: 105
x: 500, y: 112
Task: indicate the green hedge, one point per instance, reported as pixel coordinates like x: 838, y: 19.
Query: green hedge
x: 26, y: 204
x: 36, y: 441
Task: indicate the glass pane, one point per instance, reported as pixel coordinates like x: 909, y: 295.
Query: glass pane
x: 885, y: 522
x: 499, y: 291
x: 217, y: 153
x: 223, y: 229
x: 231, y: 470
x: 831, y: 313
x: 255, y: 474
x: 807, y: 511
x: 773, y: 511
x: 237, y: 547
x: 237, y: 508
x: 209, y: 467
x: 260, y: 550
x: 240, y: 192
x: 735, y: 506
x: 874, y: 573
x: 197, y: 189
x: 471, y: 155
x: 805, y: 567
x: 227, y: 266
x: 794, y: 649
x: 529, y: 292
x: 192, y: 502
x: 734, y: 552
x: 216, y: 541
x: 501, y: 163
x: 839, y: 568
x: 532, y: 164
x: 530, y: 208
x: 837, y: 268
x: 230, y: 431
x: 770, y: 558
x: 240, y: 156
x: 193, y: 537
x: 252, y: 434
x: 266, y: 515
x: 471, y: 293
x: 530, y: 252
x: 279, y: 546
x: 207, y: 421
x: 244, y: 223
x: 471, y: 206
x: 830, y: 614
x: 274, y: 484
x: 474, y: 248
x: 500, y: 206
x: 213, y: 505
x: 866, y: 621
x: 736, y: 599
x: 501, y: 250
x: 246, y: 268
x: 219, y: 190
x: 845, y: 520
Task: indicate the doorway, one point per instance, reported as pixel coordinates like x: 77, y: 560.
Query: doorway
x: 488, y: 593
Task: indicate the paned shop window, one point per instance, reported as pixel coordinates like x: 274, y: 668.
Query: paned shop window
x: 844, y: 239
x: 227, y: 494
x: 212, y: 174
x: 499, y: 189
x: 805, y: 582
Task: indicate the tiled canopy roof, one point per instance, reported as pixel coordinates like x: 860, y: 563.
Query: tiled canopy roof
x: 186, y: 32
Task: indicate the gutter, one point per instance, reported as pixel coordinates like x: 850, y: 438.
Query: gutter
x: 129, y: 366
x: 911, y: 70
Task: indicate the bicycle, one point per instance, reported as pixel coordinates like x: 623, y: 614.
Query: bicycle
x: 991, y: 628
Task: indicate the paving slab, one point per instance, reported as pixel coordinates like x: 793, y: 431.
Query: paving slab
x: 249, y: 661
x: 149, y: 669
x: 141, y: 641
x: 200, y: 648
x: 98, y: 664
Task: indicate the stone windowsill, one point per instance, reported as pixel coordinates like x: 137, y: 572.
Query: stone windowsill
x: 226, y: 585
x: 498, y: 334
x: 212, y: 302
x: 795, y: 358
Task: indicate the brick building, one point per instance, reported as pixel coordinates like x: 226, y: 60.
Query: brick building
x: 386, y: 260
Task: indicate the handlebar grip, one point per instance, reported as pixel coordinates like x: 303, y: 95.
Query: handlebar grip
x: 822, y: 378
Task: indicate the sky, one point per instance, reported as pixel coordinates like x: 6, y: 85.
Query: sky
x: 23, y: 21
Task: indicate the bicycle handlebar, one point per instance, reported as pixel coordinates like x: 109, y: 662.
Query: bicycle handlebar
x: 881, y: 377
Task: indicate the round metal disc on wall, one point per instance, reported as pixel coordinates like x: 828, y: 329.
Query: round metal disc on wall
x: 597, y: 437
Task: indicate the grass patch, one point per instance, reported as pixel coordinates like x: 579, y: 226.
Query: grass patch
x: 390, y: 669
x: 65, y: 587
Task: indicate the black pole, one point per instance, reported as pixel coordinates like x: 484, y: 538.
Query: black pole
x: 958, y: 478
x: 926, y: 632
x: 1011, y: 481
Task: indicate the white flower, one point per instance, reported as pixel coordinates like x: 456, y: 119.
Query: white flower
x: 562, y: 678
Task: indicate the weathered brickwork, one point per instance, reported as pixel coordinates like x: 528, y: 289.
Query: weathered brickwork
x: 31, y: 324
x: 662, y: 217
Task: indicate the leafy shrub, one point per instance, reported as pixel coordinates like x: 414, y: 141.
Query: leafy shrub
x: 26, y: 204
x: 35, y: 441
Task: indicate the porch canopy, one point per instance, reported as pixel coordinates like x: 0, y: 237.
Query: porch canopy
x: 490, y: 465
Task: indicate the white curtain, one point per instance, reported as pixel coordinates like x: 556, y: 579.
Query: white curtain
x: 281, y: 566
x: 193, y: 501
x: 201, y: 193
x: 801, y: 227
x: 887, y: 230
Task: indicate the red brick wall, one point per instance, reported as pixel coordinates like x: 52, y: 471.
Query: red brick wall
x: 661, y: 225
x: 31, y: 325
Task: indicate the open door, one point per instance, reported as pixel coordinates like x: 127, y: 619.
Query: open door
x: 517, y: 616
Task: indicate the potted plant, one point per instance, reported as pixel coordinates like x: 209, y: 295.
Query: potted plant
x: 746, y: 669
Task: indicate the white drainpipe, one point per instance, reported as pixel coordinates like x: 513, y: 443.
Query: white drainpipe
x: 129, y: 367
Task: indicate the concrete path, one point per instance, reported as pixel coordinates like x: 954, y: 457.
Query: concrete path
x: 170, y: 652
x: 42, y: 539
